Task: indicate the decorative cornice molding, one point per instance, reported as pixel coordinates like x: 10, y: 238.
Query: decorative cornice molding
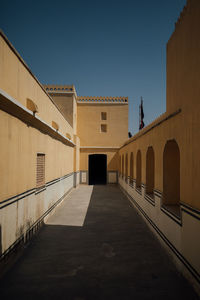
x: 102, y: 100
x: 60, y: 89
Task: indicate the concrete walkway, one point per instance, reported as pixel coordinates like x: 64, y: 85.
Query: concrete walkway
x: 109, y: 254
x: 74, y: 208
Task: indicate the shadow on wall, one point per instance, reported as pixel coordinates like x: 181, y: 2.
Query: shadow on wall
x: 101, y: 260
x: 113, y: 163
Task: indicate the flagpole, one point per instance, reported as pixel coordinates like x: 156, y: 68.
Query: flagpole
x: 141, y: 114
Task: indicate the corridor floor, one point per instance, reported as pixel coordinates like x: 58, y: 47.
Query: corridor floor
x: 109, y: 254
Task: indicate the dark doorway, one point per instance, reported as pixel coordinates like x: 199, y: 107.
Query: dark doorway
x: 97, y: 169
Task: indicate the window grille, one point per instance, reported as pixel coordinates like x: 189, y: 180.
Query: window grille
x: 40, y: 170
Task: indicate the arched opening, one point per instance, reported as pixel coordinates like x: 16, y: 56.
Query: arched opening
x: 171, y: 176
x: 150, y: 171
x: 122, y: 165
x: 97, y: 169
x: 131, y: 168
x: 126, y: 167
x: 138, y: 170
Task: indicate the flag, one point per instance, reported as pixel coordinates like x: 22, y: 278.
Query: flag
x: 141, y: 125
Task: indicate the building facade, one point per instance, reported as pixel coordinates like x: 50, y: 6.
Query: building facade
x: 101, y: 126
x: 160, y: 166
x: 53, y: 140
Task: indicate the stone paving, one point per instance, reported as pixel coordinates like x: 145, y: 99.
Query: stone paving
x: 108, y: 254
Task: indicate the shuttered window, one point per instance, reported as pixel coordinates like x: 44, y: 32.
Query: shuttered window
x: 103, y: 128
x: 103, y: 116
x: 40, y: 170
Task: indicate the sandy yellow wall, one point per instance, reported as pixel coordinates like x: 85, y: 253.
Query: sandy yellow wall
x: 76, y: 154
x: 183, y: 92
x: 74, y: 115
x: 112, y: 158
x: 65, y: 103
x: 18, y: 152
x: 89, y: 121
x: 183, y: 61
x: 17, y: 81
x: 174, y: 128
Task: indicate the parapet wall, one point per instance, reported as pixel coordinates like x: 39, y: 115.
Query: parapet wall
x: 64, y: 96
x: 55, y: 88
x: 104, y: 100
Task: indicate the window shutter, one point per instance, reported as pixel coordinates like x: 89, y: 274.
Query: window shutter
x: 103, y: 128
x: 103, y: 116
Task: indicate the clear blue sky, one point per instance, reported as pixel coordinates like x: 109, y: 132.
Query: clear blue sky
x: 104, y: 48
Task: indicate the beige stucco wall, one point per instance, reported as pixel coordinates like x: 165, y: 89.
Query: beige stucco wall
x: 74, y: 115
x: 89, y: 122
x: 157, y: 138
x: 17, y: 81
x: 21, y: 143
x: 65, y: 103
x: 112, y: 158
x: 77, y: 154
x: 183, y: 92
x: 183, y: 61
x: 19, y: 147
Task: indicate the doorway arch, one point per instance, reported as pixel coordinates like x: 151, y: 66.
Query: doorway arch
x: 131, y: 168
x: 126, y: 167
x: 171, y: 173
x: 138, y: 170
x: 123, y: 166
x: 150, y: 171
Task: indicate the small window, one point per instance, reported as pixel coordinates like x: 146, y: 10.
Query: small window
x: 103, y: 116
x: 40, y: 170
x: 103, y: 128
